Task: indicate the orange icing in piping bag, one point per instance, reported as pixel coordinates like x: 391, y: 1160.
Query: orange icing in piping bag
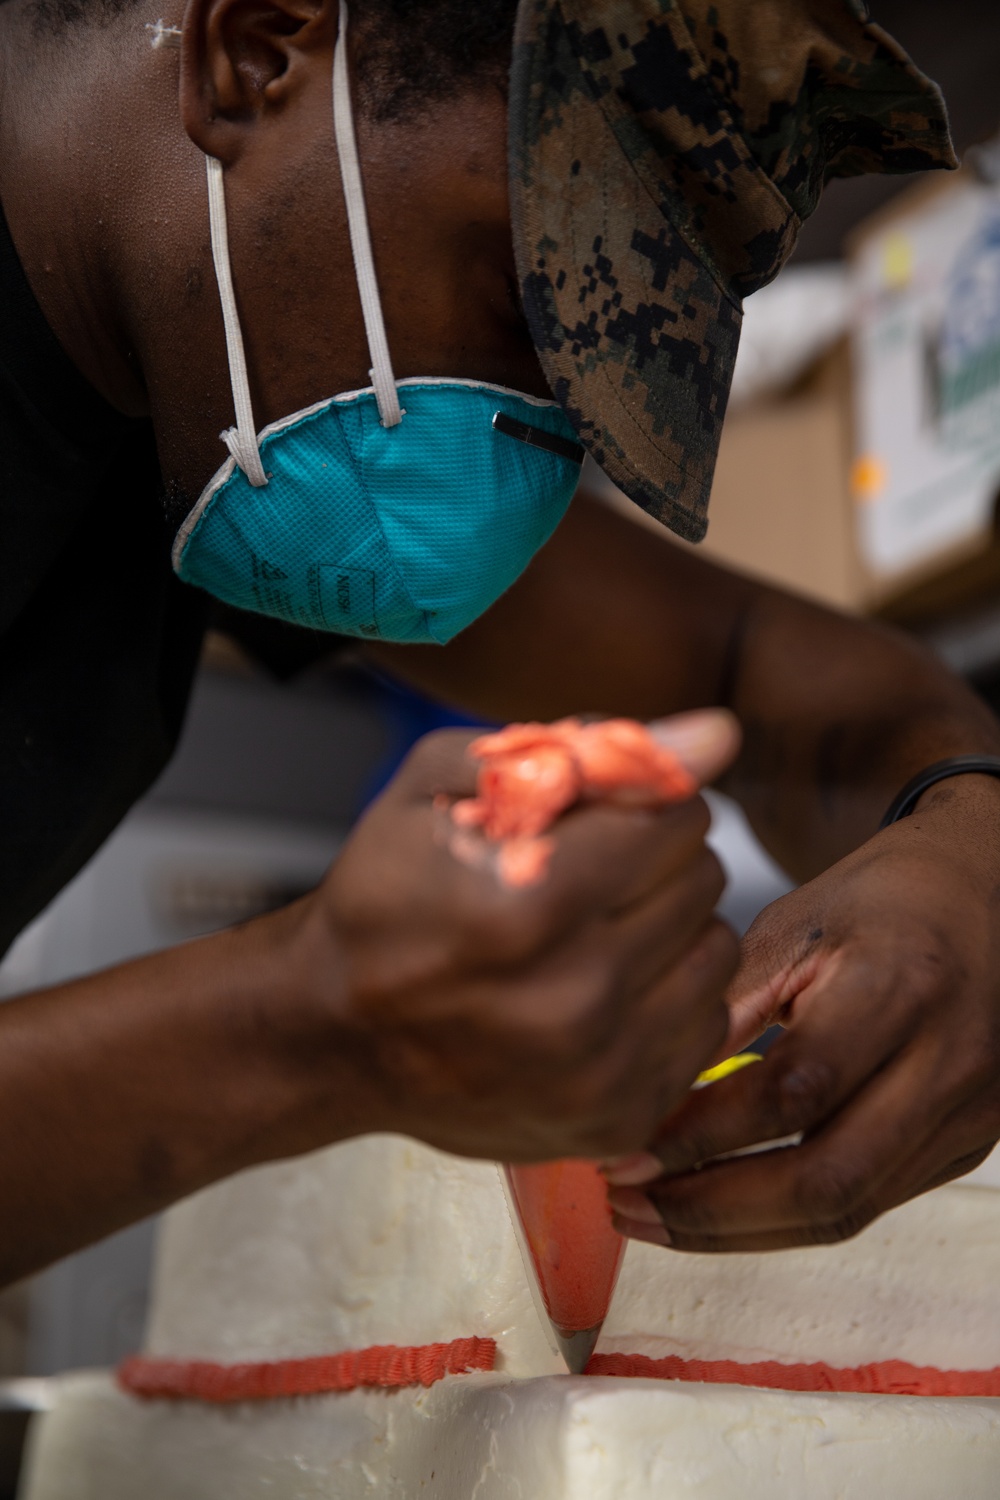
x: 575, y: 1253
x: 570, y: 1246
x: 531, y: 773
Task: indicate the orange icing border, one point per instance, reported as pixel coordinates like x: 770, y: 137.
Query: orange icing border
x: 390, y: 1367
x: 385, y: 1366
x: 890, y: 1377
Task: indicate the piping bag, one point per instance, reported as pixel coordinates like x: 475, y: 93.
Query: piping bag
x: 570, y: 1250
x: 528, y: 775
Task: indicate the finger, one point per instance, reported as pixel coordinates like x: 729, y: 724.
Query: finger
x: 602, y: 853
x: 921, y: 1179
x: 438, y: 764
x: 746, y: 1244
x: 956, y: 1147
x: 605, y: 855
x: 682, y: 1014
x: 826, y: 1189
x: 607, y: 858
x: 678, y: 848
x: 671, y: 1028
x: 705, y: 742
x: 780, y: 958
x: 648, y: 939
x: 851, y: 1025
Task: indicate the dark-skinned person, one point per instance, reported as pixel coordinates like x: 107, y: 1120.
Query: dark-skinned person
x: 412, y: 260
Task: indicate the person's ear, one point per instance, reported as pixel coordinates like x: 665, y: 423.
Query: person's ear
x: 243, y: 60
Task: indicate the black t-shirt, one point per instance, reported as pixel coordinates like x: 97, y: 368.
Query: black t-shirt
x: 98, y: 639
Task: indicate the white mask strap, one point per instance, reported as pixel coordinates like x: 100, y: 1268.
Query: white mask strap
x: 357, y: 218
x: 241, y: 440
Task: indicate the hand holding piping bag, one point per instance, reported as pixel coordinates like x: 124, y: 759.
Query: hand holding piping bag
x: 531, y: 1023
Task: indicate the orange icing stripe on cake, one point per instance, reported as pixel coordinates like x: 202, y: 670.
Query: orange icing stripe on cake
x: 890, y: 1377
x: 385, y: 1366
x: 389, y: 1367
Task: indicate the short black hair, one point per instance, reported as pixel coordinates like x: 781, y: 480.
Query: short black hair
x: 411, y: 52
x: 417, y: 52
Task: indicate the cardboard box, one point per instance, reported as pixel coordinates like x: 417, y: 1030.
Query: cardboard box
x: 781, y: 505
x: 926, y: 396
x: 872, y: 484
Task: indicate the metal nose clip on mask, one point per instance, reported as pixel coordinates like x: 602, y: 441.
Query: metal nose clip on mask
x: 400, y: 512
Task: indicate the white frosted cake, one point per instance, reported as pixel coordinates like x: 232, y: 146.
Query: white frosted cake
x: 384, y: 1242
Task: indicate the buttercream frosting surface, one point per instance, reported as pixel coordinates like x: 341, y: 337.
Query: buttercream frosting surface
x: 487, y: 1438
x: 385, y: 1241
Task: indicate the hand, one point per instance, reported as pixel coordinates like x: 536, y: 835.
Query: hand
x: 886, y: 973
x: 563, y: 1019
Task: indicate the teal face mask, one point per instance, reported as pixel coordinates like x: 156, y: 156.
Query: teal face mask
x: 401, y: 512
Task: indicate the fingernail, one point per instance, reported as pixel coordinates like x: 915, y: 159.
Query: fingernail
x: 632, y: 1204
x: 695, y: 730
x: 632, y: 1171
x: 648, y: 1233
x: 703, y: 741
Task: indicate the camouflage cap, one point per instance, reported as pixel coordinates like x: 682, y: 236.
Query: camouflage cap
x: 664, y: 154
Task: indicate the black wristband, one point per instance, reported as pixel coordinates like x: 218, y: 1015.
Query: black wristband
x: 958, y: 765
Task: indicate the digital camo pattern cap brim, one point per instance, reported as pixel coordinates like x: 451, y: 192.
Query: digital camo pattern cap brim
x: 663, y: 155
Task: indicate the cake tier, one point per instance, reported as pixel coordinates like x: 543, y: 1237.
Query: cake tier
x: 486, y: 1437
x: 386, y: 1242
x: 377, y: 1241
x: 383, y: 1241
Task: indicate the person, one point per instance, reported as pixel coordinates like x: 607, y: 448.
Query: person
x: 191, y: 245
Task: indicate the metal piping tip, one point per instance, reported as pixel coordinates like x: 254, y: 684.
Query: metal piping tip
x: 576, y: 1348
